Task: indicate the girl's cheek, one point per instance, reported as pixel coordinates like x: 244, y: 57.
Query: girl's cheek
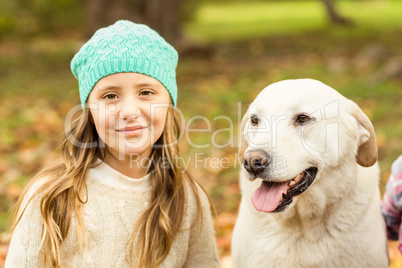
x: 159, y: 114
x: 105, y: 122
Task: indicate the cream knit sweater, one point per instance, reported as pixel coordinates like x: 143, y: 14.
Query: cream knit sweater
x: 115, y: 202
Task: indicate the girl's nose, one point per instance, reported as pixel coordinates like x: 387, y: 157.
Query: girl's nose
x: 129, y: 110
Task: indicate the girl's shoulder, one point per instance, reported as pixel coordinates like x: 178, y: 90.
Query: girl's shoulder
x: 43, y: 179
x: 32, y: 191
x: 196, y: 196
x: 194, y: 189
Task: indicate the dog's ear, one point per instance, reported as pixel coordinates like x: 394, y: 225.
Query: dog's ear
x: 367, y: 153
x: 243, y: 142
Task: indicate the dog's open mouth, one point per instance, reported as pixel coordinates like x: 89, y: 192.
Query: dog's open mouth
x: 275, y: 196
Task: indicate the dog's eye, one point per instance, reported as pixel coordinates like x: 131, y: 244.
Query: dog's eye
x: 254, y: 120
x: 303, y: 119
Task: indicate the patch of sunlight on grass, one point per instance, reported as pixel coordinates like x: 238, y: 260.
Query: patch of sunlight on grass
x: 216, y: 22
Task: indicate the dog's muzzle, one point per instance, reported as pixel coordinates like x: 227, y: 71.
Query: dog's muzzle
x: 256, y: 161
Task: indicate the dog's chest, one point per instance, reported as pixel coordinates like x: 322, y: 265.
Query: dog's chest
x: 274, y: 245
x: 284, y: 251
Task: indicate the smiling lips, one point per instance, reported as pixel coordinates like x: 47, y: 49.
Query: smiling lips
x: 132, y: 130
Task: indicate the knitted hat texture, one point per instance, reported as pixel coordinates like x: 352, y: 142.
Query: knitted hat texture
x: 125, y: 47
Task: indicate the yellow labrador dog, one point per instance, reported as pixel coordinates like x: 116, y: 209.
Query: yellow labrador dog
x: 309, y: 182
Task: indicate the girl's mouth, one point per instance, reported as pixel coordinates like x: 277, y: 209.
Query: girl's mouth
x: 132, y: 130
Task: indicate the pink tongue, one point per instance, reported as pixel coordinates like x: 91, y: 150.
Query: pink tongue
x: 267, y: 197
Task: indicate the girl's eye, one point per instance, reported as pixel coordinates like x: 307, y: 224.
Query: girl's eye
x: 254, y: 120
x: 146, y: 93
x: 110, y: 96
x: 303, y: 119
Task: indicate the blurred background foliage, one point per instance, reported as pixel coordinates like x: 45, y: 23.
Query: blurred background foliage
x: 24, y: 18
x: 229, y: 51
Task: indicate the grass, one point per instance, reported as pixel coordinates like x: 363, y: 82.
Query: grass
x: 219, y: 21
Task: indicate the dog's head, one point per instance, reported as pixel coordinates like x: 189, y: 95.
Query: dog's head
x: 297, y: 131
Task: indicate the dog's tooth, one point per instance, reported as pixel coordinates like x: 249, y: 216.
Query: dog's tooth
x: 292, y: 182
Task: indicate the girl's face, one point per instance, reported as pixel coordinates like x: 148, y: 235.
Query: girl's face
x: 129, y: 112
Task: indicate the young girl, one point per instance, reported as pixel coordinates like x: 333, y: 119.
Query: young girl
x: 117, y: 197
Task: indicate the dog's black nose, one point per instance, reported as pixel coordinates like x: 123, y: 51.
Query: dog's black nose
x: 255, y: 161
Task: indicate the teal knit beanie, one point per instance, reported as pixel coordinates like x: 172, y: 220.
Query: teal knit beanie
x: 125, y: 47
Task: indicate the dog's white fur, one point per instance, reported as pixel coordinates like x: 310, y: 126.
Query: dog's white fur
x: 337, y: 221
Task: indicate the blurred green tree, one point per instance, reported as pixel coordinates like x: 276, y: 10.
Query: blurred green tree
x: 27, y: 17
x: 334, y: 16
x: 166, y: 17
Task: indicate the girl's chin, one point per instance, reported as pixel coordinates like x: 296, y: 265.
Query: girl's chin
x: 137, y: 153
x: 130, y: 152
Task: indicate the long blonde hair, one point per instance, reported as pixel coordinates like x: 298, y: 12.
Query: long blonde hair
x: 65, y: 194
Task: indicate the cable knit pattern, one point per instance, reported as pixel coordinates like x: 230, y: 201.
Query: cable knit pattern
x: 115, y: 202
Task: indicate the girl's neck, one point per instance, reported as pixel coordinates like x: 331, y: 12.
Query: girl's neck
x: 133, y: 168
